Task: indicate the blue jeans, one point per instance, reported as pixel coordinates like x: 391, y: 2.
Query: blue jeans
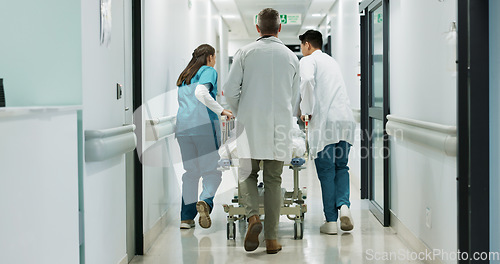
x: 333, y: 174
x: 199, y: 157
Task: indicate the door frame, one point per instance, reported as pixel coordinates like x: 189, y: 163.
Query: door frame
x: 382, y: 214
x: 128, y: 96
x: 137, y: 103
x: 473, y: 167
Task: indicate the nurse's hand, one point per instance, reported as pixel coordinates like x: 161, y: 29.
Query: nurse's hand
x: 227, y: 113
x: 303, y: 118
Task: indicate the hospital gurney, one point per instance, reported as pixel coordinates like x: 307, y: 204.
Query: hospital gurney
x: 292, y: 204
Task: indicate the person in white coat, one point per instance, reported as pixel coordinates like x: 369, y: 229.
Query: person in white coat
x: 262, y: 90
x: 331, y: 128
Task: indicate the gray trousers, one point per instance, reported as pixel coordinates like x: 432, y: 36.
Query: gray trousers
x: 248, y: 173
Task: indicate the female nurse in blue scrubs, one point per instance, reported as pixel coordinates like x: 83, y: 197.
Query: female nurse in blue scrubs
x: 198, y: 134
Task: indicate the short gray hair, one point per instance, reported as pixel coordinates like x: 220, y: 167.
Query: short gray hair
x: 268, y: 21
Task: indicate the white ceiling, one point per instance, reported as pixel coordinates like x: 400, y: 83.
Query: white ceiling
x: 240, y: 15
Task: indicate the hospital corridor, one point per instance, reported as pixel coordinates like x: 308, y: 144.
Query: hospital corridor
x: 200, y: 245
x: 249, y: 131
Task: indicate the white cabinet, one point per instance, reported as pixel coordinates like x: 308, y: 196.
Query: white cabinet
x: 39, y: 185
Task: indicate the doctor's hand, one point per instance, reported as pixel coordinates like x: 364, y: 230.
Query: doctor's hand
x: 303, y: 118
x: 227, y: 113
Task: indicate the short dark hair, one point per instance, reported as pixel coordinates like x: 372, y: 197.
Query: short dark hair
x: 268, y: 21
x: 314, y: 37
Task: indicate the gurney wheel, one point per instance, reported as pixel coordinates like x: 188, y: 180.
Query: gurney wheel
x: 298, y: 229
x: 231, y: 230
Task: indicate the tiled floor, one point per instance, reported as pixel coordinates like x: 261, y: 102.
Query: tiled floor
x: 369, y: 242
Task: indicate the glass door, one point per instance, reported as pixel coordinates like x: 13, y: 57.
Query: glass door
x: 375, y: 108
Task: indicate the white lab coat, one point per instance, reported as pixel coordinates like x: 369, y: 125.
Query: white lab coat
x: 262, y: 90
x: 324, y: 96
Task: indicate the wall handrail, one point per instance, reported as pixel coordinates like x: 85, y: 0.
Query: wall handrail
x: 107, y: 143
x: 451, y: 130
x: 160, y: 128
x: 162, y: 119
x: 436, y: 136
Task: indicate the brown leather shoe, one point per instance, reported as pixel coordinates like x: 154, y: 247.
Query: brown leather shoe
x: 272, y: 246
x: 253, y: 231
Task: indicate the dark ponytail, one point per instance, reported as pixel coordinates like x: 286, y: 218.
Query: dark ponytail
x: 200, y: 56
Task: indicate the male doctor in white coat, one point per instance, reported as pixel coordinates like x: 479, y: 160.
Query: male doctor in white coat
x: 262, y: 89
x: 331, y: 128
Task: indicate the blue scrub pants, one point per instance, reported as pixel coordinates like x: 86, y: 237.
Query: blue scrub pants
x: 199, y: 158
x: 333, y: 174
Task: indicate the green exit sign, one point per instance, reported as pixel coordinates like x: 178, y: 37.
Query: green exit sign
x: 288, y: 19
x: 284, y: 19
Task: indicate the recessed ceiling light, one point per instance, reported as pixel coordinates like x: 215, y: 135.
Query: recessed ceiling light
x: 317, y: 15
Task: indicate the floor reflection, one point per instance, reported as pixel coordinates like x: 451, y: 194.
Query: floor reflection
x: 200, y: 245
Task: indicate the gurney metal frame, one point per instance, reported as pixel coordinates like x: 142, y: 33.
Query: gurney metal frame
x: 293, y: 204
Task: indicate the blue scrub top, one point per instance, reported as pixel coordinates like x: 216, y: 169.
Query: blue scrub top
x: 193, y: 117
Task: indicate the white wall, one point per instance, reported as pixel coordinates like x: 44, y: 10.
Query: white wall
x: 171, y: 32
x: 39, y: 186
x: 423, y: 87
x: 422, y: 60
x: 345, y: 33
x: 346, y: 45
x: 40, y: 52
x: 494, y: 127
x: 104, y: 182
x: 223, y: 54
